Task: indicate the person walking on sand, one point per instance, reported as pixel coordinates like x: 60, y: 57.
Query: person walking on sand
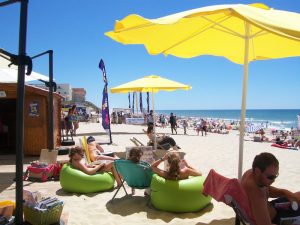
x: 74, y: 119
x: 185, y: 125
x: 173, y: 123
x: 257, y: 183
x: 203, y: 126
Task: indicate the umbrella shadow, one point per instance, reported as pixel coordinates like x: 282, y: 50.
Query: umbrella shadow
x: 129, y: 205
x: 229, y: 221
x: 7, y: 179
x: 104, y: 133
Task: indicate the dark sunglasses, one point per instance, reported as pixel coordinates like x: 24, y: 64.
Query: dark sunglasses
x: 272, y: 177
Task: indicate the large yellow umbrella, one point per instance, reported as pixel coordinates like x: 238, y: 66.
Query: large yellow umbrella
x: 152, y: 84
x: 240, y: 33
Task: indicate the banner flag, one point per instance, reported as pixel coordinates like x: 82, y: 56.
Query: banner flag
x: 133, y: 95
x: 129, y: 99
x: 148, y: 102
x: 141, y: 102
x: 105, y: 108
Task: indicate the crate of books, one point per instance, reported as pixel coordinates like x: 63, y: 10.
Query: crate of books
x: 41, y: 211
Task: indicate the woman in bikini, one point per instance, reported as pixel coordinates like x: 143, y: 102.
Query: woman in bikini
x: 174, y: 172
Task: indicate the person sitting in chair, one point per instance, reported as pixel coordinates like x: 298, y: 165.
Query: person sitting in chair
x: 76, y: 155
x: 96, y: 151
x: 161, y: 140
x: 134, y: 156
x: 257, y: 183
x: 174, y: 172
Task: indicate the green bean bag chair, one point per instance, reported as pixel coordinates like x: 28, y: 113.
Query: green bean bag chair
x: 178, y: 196
x: 76, y: 181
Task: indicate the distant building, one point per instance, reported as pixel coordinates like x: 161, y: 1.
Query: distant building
x: 78, y: 94
x: 65, y: 90
x: 68, y: 93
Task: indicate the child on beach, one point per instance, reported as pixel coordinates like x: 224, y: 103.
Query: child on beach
x: 134, y: 156
x: 76, y: 156
x: 174, y: 172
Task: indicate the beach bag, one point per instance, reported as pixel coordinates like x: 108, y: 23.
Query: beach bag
x: 44, y: 169
x: 41, y: 172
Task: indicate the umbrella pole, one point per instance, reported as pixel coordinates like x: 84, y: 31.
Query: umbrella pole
x: 244, y: 95
x: 154, y: 129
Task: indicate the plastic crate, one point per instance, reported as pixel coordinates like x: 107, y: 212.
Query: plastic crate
x: 37, y: 217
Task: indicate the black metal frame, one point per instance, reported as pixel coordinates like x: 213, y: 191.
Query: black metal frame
x: 52, y: 88
x: 20, y: 108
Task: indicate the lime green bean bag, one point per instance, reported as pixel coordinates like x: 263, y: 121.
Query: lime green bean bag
x: 76, y: 181
x: 178, y: 196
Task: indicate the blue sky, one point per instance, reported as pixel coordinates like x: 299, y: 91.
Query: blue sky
x: 74, y: 30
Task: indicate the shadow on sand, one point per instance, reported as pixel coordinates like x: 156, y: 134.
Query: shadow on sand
x: 7, y: 179
x: 129, y: 205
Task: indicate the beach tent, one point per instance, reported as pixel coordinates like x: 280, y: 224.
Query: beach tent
x: 252, y: 128
x: 152, y: 83
x: 240, y: 33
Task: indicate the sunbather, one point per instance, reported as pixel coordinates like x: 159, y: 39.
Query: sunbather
x: 96, y: 151
x: 76, y: 156
x: 257, y: 184
x: 174, y: 172
x: 161, y: 139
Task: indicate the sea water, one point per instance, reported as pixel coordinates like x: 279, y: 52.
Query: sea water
x: 281, y: 119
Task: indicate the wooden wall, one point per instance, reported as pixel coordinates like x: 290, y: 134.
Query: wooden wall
x: 36, y: 117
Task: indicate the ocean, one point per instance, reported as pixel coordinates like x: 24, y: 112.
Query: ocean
x: 282, y: 119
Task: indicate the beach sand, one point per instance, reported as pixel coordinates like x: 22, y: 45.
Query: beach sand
x: 203, y: 152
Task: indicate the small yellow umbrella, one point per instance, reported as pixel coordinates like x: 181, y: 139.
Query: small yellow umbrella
x: 152, y: 84
x: 240, y: 33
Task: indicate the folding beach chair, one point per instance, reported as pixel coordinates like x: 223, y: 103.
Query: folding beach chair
x: 230, y: 192
x: 136, y: 175
x: 84, y: 145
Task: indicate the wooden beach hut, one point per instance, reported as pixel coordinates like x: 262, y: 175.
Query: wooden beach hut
x: 36, y: 119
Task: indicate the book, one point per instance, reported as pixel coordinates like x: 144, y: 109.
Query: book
x: 290, y: 220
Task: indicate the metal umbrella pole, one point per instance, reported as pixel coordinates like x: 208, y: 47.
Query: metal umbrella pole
x: 50, y: 99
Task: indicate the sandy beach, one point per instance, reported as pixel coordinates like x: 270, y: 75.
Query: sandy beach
x: 216, y: 151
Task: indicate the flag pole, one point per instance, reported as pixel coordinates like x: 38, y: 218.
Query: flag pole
x: 110, y: 138
x: 105, y: 105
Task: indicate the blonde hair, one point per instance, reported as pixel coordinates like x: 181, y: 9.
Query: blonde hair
x: 174, y: 169
x: 135, y: 155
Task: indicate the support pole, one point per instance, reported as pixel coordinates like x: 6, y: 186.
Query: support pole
x: 154, y: 119
x: 244, y: 96
x: 20, y: 113
x: 50, y: 98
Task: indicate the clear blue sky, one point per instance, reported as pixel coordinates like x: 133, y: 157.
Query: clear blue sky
x: 74, y: 30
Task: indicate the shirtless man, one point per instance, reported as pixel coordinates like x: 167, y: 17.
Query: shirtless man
x: 257, y: 184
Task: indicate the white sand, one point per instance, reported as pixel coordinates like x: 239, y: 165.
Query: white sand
x: 213, y: 151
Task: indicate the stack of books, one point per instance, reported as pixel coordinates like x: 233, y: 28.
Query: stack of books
x: 48, y: 203
x: 35, y: 201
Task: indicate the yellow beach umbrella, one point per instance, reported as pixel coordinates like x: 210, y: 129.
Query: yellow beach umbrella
x: 152, y: 84
x: 240, y: 33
